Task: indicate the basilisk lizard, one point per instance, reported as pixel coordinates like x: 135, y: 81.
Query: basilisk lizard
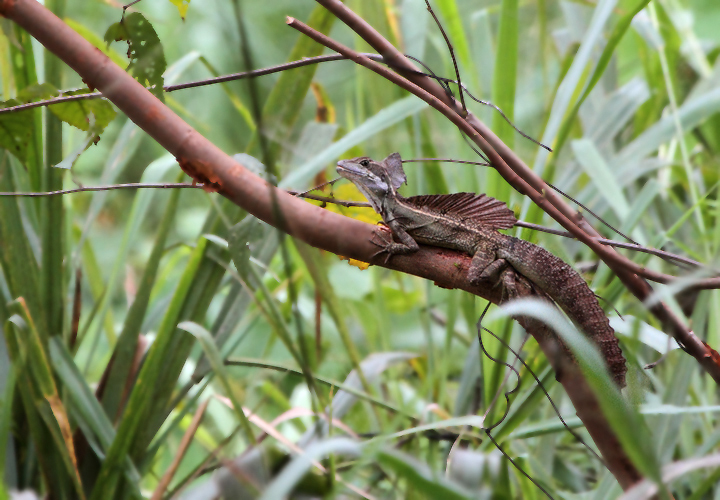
x: 470, y: 223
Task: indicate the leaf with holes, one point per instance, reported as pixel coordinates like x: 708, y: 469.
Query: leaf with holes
x: 147, y: 58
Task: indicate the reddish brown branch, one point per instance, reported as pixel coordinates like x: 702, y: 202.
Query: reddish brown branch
x: 318, y: 227
x: 525, y: 181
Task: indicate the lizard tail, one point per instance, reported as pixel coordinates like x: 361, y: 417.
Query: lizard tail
x: 569, y: 291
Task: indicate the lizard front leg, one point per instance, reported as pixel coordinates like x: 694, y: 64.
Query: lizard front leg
x: 407, y: 243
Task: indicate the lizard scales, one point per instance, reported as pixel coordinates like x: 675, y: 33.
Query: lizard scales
x: 469, y: 223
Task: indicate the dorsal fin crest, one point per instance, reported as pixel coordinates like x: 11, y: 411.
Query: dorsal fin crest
x: 480, y: 207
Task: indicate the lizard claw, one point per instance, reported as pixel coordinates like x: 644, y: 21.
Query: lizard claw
x: 387, y: 245
x: 384, y: 245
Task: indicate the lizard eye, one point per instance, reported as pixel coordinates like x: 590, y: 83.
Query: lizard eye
x: 364, y: 163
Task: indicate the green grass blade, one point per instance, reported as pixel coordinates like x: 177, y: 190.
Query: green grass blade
x: 569, y: 86
x: 392, y: 114
x: 213, y: 354
x: 86, y: 405
x: 419, y: 477
x: 127, y: 341
x: 146, y: 396
x: 16, y: 256
x: 613, y: 40
x: 53, y: 212
x: 30, y: 349
x: 505, y: 72
x: 627, y: 423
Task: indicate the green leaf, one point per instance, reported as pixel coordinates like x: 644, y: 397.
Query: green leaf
x: 455, y: 31
x: 127, y: 341
x: 505, y: 72
x: 30, y: 351
x: 16, y: 131
x: 140, y: 406
x: 284, y: 103
x: 17, y: 260
x: 89, y: 115
x: 85, y: 405
x: 36, y: 92
x: 629, y: 426
x: 618, y: 32
x: 147, y: 58
x: 284, y: 483
x: 386, y: 117
x: 17, y: 127
x: 240, y: 236
x: 419, y: 476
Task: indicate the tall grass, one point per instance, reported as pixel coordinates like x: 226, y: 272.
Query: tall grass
x: 163, y: 343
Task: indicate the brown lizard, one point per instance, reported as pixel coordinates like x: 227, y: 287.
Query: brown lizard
x: 469, y: 222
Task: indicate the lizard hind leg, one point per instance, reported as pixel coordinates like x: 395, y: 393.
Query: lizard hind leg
x: 486, y: 270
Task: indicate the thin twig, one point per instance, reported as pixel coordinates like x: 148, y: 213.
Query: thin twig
x: 132, y: 185
x: 189, y: 85
x: 452, y: 53
x: 267, y: 71
x: 468, y: 162
x: 348, y: 204
x: 326, y: 199
x: 617, y: 244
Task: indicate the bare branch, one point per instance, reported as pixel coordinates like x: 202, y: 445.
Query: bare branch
x: 452, y: 54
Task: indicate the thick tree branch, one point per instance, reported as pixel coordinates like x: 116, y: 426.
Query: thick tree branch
x: 525, y: 181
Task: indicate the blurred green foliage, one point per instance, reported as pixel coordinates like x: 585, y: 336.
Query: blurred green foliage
x: 91, y: 284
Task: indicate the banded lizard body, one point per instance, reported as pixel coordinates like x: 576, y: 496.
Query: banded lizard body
x: 469, y: 223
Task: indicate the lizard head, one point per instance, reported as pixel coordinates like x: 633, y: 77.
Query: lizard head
x: 376, y: 180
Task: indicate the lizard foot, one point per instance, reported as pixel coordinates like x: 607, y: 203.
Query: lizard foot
x: 383, y: 244
x: 387, y: 246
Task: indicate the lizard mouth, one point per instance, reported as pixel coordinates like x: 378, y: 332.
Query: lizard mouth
x: 343, y: 168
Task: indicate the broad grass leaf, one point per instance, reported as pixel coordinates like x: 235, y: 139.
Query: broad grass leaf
x: 284, y: 483
x: 628, y: 425
x: 421, y: 478
x: 386, y: 117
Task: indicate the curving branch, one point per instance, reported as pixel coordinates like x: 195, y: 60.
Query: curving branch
x: 521, y: 177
